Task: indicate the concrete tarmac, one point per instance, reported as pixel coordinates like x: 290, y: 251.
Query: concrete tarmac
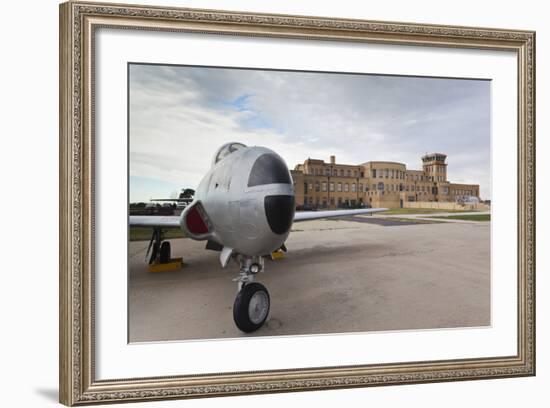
x: 338, y: 276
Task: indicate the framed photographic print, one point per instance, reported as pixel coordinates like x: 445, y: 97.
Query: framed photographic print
x: 261, y: 203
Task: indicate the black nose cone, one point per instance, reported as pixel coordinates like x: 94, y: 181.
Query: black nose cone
x: 279, y: 210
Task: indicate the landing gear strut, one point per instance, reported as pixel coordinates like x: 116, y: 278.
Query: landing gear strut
x: 159, y: 249
x: 251, y: 306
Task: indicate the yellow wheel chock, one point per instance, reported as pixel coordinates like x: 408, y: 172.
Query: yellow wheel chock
x: 174, y: 264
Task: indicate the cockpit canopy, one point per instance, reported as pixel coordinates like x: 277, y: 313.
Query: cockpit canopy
x: 226, y: 150
x: 269, y: 169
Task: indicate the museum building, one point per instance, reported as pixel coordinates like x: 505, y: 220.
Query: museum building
x: 376, y: 183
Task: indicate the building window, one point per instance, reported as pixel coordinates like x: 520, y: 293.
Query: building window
x: 324, y: 186
x: 373, y: 173
x: 346, y: 187
x: 360, y: 188
x: 334, y: 172
x: 339, y: 187
x: 349, y: 173
x: 317, y: 186
x: 331, y: 187
x: 354, y: 173
x: 353, y: 187
x: 327, y: 172
x: 311, y: 186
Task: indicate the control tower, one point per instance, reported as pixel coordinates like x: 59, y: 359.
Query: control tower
x: 434, y: 166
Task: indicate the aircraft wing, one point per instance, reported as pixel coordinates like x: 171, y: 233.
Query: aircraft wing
x: 159, y: 221
x: 315, y: 215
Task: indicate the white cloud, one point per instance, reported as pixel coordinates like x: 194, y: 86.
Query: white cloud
x: 180, y: 115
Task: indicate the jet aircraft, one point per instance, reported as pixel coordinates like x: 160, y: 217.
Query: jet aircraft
x: 244, y: 207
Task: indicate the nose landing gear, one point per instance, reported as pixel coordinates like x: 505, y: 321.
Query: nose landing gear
x: 251, y: 306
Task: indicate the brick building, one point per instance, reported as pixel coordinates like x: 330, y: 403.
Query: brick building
x: 376, y: 183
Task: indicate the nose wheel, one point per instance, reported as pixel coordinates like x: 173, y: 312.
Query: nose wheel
x: 251, y: 307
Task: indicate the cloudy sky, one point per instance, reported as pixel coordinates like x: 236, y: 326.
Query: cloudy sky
x: 179, y: 116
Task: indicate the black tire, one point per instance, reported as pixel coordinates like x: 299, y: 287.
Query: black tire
x: 164, y: 256
x: 154, y: 251
x: 244, y: 321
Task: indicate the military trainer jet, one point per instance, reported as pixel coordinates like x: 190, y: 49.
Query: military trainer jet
x: 243, y: 207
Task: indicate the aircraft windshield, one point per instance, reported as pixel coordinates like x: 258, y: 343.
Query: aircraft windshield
x: 226, y: 150
x: 268, y: 169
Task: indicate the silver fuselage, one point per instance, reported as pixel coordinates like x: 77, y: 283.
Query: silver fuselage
x: 236, y: 210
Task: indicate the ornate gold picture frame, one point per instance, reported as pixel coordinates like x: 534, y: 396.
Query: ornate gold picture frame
x: 79, y: 22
